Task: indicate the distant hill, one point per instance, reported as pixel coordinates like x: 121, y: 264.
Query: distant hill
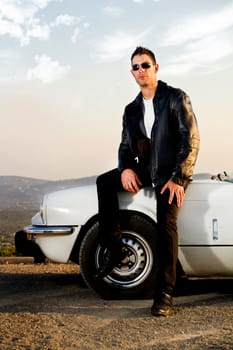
x: 25, y: 192
x: 20, y: 199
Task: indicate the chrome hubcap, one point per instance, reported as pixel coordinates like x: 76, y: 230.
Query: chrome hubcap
x: 136, y: 266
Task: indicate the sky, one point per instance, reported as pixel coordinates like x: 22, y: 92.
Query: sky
x: 65, y: 79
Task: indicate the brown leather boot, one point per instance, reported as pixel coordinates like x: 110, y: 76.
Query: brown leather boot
x: 162, y: 305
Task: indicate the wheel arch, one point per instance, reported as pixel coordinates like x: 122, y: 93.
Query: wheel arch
x: 130, y: 212
x: 74, y: 256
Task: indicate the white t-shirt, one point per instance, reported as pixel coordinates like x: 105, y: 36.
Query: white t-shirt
x: 149, y: 116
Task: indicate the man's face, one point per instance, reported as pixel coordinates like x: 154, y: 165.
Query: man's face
x: 145, y: 77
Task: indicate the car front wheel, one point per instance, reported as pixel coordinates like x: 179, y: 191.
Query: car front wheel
x: 135, y: 276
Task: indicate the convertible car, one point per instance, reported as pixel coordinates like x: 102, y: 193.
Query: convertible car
x: 66, y: 229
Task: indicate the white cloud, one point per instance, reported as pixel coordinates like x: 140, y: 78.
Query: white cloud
x: 43, y: 3
x: 11, y: 29
x: 86, y: 25
x: 139, y: 1
x: 210, y: 49
x: 47, y: 70
x: 116, y: 46
x: 66, y: 20
x: 75, y: 35
x: 202, y: 55
x: 16, y: 12
x: 36, y: 30
x: 20, y: 20
x: 79, y: 29
x: 199, y: 26
x: 113, y: 11
x: 202, y: 42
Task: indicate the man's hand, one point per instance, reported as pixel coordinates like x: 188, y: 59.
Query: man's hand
x: 130, y: 181
x: 174, y: 190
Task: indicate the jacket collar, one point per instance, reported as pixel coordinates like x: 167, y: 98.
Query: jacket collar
x: 161, y: 88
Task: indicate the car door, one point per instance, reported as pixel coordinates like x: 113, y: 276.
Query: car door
x: 205, y: 229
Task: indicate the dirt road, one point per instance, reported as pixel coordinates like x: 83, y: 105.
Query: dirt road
x: 47, y: 307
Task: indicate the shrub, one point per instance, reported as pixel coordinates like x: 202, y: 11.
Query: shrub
x: 7, y: 250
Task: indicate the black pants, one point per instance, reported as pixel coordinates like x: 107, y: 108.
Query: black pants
x: 108, y: 186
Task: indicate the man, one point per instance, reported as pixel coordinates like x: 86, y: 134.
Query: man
x: 159, y: 146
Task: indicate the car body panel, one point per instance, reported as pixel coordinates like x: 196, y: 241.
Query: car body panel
x: 206, y: 216
x: 207, y: 261
x: 204, y: 223
x: 76, y: 206
x: 57, y: 247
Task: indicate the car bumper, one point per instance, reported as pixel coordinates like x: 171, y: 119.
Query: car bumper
x: 49, y: 230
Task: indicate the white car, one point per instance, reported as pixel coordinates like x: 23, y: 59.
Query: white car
x: 66, y: 229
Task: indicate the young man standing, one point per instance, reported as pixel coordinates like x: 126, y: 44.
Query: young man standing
x: 159, y: 146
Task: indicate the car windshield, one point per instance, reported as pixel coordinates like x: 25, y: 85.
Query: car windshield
x: 224, y: 176
x: 229, y: 178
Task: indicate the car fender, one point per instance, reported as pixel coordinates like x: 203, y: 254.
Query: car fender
x: 74, y: 207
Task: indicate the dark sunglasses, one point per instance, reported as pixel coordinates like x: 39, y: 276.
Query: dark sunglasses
x: 144, y: 65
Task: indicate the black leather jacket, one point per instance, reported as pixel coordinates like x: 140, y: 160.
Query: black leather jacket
x: 174, y: 143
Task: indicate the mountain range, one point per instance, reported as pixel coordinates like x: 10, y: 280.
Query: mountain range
x: 25, y: 192
x: 20, y: 199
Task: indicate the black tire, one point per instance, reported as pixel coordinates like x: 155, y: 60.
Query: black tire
x: 136, y: 276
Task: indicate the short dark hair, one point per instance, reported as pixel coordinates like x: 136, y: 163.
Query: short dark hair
x: 143, y: 51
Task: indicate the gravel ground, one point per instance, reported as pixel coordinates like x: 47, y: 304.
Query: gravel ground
x: 47, y: 307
